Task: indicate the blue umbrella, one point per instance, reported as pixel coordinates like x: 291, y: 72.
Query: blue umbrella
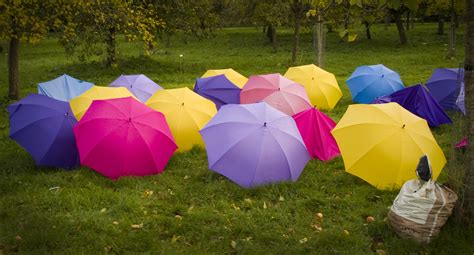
x: 63, y: 88
x: 218, y: 89
x: 368, y: 82
x: 447, y: 87
x: 43, y: 126
x: 418, y: 101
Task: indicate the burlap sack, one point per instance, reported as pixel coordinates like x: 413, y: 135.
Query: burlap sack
x: 421, y: 209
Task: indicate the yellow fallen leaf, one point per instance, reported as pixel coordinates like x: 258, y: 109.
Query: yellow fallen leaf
x: 175, y: 238
x: 179, y: 217
x: 319, y: 215
x: 304, y: 240
x: 147, y: 193
x: 103, y: 210
x: 137, y: 226
x: 346, y: 232
x: 115, y: 223
x: 317, y: 227
x: 380, y: 252
x: 248, y: 200
x: 235, y: 207
x: 18, y: 238
x: 233, y: 244
x: 370, y: 219
x: 187, y: 177
x: 281, y: 198
x: 264, y: 205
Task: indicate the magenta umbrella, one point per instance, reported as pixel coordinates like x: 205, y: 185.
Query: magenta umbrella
x: 315, y: 128
x: 123, y: 137
x: 277, y: 91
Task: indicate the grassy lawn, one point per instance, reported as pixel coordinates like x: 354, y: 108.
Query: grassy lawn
x: 189, y: 209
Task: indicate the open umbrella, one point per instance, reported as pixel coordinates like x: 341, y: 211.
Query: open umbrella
x: 321, y: 86
x: 276, y: 90
x: 186, y: 113
x: 43, y: 126
x: 218, y: 89
x: 235, y: 77
x: 63, y: 88
x: 368, y: 82
x: 382, y: 144
x: 418, y: 100
x: 254, y: 144
x: 315, y: 128
x: 139, y: 85
x: 445, y: 85
x: 123, y: 137
x: 81, y: 103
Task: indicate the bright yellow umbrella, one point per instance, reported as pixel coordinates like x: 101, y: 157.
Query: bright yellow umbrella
x: 81, y: 103
x: 382, y: 144
x: 186, y: 113
x: 235, y: 77
x: 321, y: 86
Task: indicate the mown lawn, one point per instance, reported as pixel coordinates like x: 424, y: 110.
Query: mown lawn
x: 189, y: 209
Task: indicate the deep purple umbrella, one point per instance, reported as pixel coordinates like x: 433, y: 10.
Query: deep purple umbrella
x: 139, y: 85
x: 254, y: 144
x: 218, y: 89
x: 445, y: 85
x: 43, y: 126
x: 418, y: 100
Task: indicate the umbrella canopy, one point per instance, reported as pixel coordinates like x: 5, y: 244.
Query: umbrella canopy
x: 186, y: 113
x: 254, y: 144
x: 80, y: 104
x: 43, y: 126
x: 315, y: 128
x: 445, y: 85
x: 368, y: 82
x: 63, y: 88
x: 139, y: 85
x: 123, y: 137
x: 276, y: 90
x: 419, y: 101
x: 461, y: 144
x: 321, y: 86
x: 235, y: 77
x: 382, y: 143
x: 218, y: 89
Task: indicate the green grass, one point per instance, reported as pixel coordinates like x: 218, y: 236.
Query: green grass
x: 79, y: 216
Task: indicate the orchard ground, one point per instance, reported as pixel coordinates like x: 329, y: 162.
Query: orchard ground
x: 189, y: 209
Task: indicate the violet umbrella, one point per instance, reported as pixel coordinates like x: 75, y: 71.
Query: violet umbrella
x: 418, y: 100
x: 315, y: 128
x: 43, y: 126
x: 123, y: 137
x: 254, y: 144
x: 218, y: 89
x: 139, y: 85
x: 276, y: 90
x: 446, y: 85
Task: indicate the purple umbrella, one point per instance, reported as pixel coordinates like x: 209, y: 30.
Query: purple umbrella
x: 445, y: 85
x: 43, y: 126
x: 218, y: 89
x: 254, y: 144
x: 139, y: 85
x: 418, y: 101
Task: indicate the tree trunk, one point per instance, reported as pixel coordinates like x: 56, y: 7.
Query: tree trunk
x: 318, y: 41
x: 441, y: 26
x: 367, y: 30
x: 297, y: 9
x: 274, y: 39
x: 468, y: 203
x: 408, y: 20
x: 387, y: 19
x: 13, y: 71
x: 452, y: 34
x: 397, y: 15
x: 111, y: 51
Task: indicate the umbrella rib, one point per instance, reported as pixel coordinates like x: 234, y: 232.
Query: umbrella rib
x: 55, y: 116
x: 258, y: 160
x: 286, y: 157
x: 159, y: 131
x: 102, y: 138
x: 53, y: 140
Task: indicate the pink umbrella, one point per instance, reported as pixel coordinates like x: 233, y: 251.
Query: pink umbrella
x: 461, y: 144
x: 315, y: 128
x: 123, y: 137
x: 277, y: 91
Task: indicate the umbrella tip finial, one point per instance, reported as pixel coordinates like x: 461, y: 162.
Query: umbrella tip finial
x: 182, y: 104
x: 264, y: 124
x: 383, y: 75
x: 403, y: 126
x: 129, y: 119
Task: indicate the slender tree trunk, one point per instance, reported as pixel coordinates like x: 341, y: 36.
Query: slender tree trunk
x: 274, y: 39
x: 441, y: 26
x: 318, y: 41
x: 297, y: 11
x: 412, y: 22
x: 13, y: 71
x: 408, y: 20
x: 397, y: 15
x: 387, y: 19
x: 452, y: 34
x: 468, y: 203
x: 111, y: 51
x: 367, y: 30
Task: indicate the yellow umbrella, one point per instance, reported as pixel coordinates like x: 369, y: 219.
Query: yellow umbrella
x: 321, y: 86
x: 186, y: 113
x: 81, y: 103
x: 382, y: 144
x: 235, y: 77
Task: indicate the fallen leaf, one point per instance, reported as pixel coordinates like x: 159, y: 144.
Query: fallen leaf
x: 18, y: 238
x: 235, y: 207
x: 264, y: 205
x: 248, y: 200
x: 370, y: 219
x: 281, y: 198
x: 233, y: 244
x: 54, y: 188
x: 191, y: 208
x: 179, y: 217
x: 345, y: 232
x: 103, y: 210
x: 137, y: 226
x: 187, y: 177
x: 319, y: 215
x: 380, y: 252
x: 175, y: 238
x: 317, y: 227
x: 248, y: 238
x: 147, y: 193
x: 304, y: 240
x: 115, y: 223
